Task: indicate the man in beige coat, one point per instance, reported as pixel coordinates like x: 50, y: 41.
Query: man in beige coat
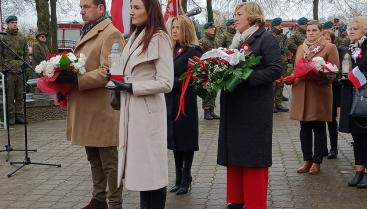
x: 91, y: 122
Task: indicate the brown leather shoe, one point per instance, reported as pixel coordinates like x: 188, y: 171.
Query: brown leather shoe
x: 95, y: 204
x: 305, y: 168
x: 315, y: 169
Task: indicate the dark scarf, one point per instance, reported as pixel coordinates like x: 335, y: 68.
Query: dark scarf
x: 87, y: 27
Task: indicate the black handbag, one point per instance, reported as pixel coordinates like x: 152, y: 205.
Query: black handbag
x: 359, y: 103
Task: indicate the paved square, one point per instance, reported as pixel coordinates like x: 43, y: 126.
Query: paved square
x: 70, y: 186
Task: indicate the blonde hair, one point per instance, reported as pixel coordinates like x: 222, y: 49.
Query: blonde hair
x: 361, y: 21
x: 187, y: 30
x: 255, y: 14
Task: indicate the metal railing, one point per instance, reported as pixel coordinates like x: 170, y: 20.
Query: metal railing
x: 3, y: 101
x: 66, y: 44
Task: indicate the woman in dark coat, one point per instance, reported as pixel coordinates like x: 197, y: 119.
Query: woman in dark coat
x: 183, y: 131
x: 348, y: 124
x: 329, y: 36
x: 245, y: 134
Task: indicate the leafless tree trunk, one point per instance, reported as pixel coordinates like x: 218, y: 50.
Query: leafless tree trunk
x: 315, y: 9
x: 209, y: 8
x: 53, y: 26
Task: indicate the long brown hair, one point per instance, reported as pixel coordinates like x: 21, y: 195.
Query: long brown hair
x: 154, y: 24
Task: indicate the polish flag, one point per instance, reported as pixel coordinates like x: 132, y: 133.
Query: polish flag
x: 120, y: 12
x: 357, y: 78
x: 171, y: 9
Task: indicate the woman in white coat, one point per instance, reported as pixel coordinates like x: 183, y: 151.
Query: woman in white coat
x: 148, y: 74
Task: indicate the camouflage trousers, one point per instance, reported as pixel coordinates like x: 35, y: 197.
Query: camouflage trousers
x: 208, y: 102
x: 14, y: 85
x: 278, y: 88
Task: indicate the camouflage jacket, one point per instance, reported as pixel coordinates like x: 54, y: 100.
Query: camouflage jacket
x: 208, y: 42
x: 281, y: 38
x: 225, y: 37
x: 342, y: 43
x: 18, y: 43
x: 296, y: 39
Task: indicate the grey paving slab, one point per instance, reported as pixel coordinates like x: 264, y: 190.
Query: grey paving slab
x: 70, y: 186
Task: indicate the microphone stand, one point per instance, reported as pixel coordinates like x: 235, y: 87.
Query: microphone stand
x: 8, y: 147
x: 27, y: 159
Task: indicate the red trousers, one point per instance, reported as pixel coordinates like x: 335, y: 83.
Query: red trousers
x: 248, y: 186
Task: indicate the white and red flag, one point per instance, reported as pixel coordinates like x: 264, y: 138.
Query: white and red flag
x: 120, y: 12
x: 357, y: 78
x: 171, y: 9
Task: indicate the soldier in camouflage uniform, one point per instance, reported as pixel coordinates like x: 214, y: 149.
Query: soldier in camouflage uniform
x: 225, y: 39
x: 277, y: 31
x: 342, y: 41
x: 12, y: 64
x: 207, y: 43
x: 298, y: 37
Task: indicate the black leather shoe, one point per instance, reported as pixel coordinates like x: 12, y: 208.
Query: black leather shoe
x: 363, y: 182
x: 332, y: 154
x: 234, y: 206
x: 356, y: 179
x: 215, y: 116
x: 19, y: 120
x: 207, y: 115
x: 285, y: 99
x: 280, y: 108
x: 11, y: 121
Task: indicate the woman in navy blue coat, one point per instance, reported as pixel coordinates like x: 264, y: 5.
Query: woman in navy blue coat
x: 356, y: 126
x: 183, y: 131
x: 245, y: 134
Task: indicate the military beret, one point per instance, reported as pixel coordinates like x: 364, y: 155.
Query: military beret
x: 230, y: 22
x: 302, y: 21
x: 11, y: 18
x: 208, y: 25
x: 276, y: 21
x: 41, y: 33
x: 343, y: 27
x: 327, y: 25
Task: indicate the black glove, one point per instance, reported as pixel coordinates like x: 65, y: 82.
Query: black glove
x: 67, y: 77
x: 345, y: 81
x: 108, y: 74
x: 119, y: 86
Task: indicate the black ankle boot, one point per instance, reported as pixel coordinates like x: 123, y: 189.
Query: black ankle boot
x: 363, y: 182
x: 234, y: 206
x: 185, y: 183
x: 178, y: 180
x: 356, y: 179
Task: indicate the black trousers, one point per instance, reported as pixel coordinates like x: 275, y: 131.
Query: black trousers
x: 183, y: 159
x: 313, y: 135
x: 333, y: 130
x: 154, y: 199
x: 360, y: 149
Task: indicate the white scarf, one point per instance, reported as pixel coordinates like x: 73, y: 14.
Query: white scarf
x: 239, y: 38
x: 355, y: 49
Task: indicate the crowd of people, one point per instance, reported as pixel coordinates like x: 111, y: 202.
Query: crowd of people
x: 126, y: 141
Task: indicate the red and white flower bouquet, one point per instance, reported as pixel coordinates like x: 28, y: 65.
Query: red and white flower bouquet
x: 51, y: 69
x: 218, y: 69
x: 316, y: 69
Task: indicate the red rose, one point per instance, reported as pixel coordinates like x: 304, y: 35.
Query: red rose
x: 360, y: 56
x: 230, y: 51
x: 51, y: 56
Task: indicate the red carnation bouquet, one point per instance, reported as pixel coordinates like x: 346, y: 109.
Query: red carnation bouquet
x: 51, y: 69
x: 217, y: 69
x: 316, y: 69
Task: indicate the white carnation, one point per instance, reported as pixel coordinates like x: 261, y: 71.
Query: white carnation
x: 49, y: 70
x: 55, y: 60
x: 41, y: 67
x: 319, y: 62
x: 72, y: 57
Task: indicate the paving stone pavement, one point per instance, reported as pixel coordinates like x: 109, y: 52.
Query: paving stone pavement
x: 69, y: 186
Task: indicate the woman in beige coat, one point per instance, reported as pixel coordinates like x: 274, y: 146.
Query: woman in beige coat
x: 312, y: 99
x: 148, y: 70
